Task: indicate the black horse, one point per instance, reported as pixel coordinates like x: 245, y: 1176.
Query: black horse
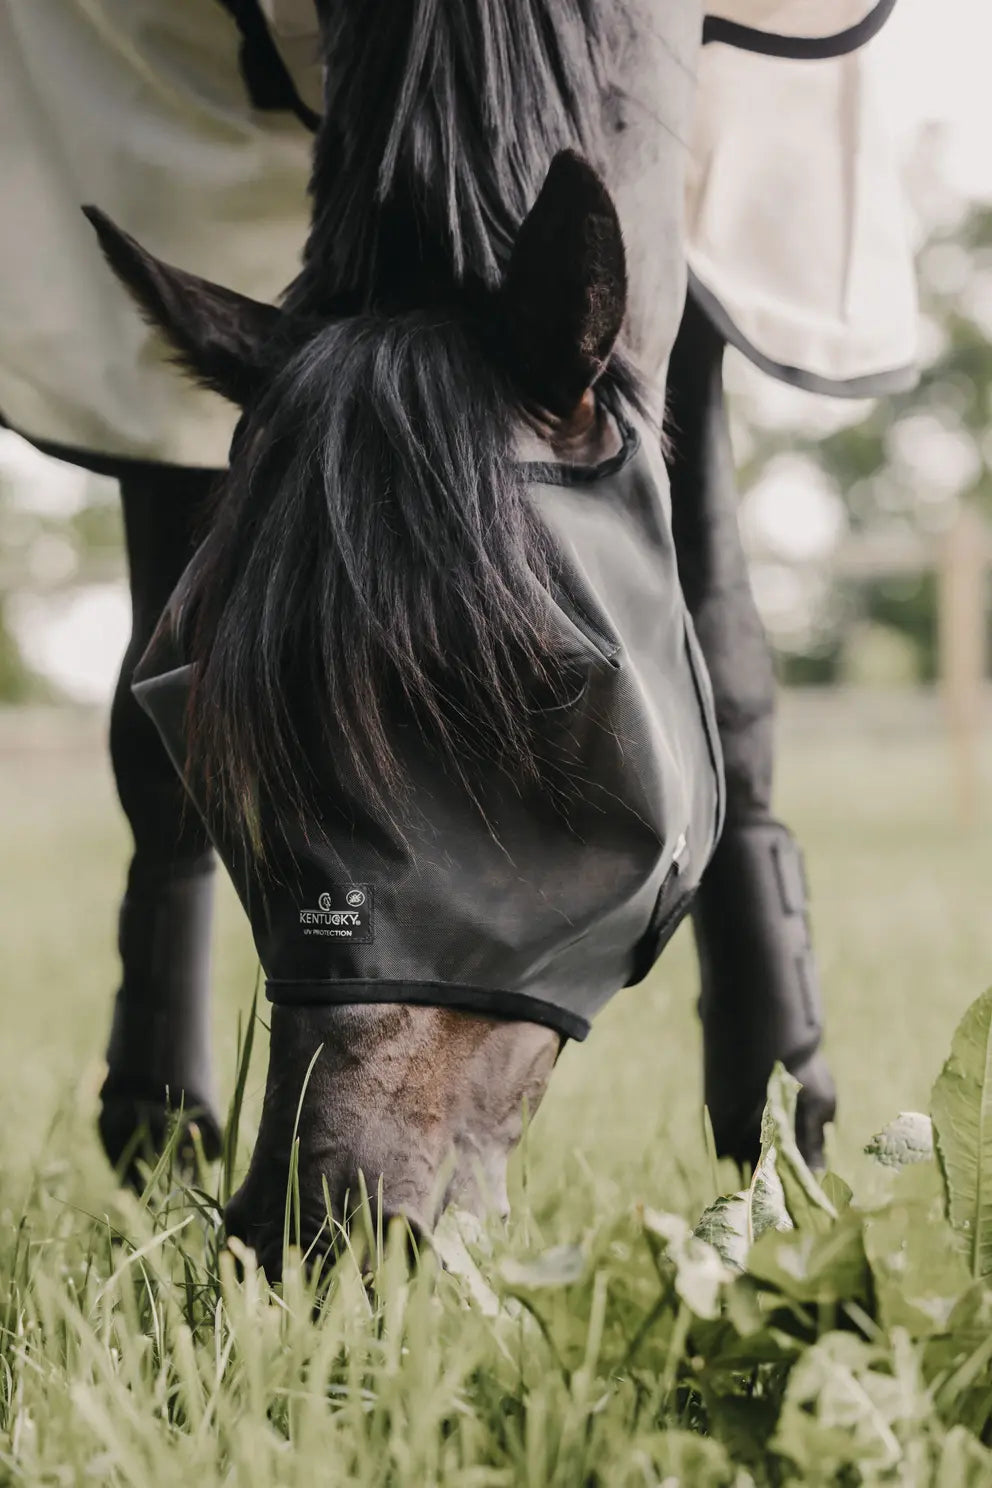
x: 389, y: 604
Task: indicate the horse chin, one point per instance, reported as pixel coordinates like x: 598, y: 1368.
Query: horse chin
x: 418, y: 1107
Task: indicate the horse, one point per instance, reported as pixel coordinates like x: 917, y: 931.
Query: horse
x: 465, y: 677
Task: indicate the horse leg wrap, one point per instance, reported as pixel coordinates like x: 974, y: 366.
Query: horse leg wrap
x: 159, y: 1051
x: 760, y: 999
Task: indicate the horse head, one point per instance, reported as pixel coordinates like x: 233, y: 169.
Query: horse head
x: 372, y: 566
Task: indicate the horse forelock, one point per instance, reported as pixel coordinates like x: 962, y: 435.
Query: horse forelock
x: 374, y: 558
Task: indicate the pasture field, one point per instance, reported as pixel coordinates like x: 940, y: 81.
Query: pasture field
x: 129, y: 1353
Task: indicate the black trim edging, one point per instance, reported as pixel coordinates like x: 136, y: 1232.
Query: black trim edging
x: 799, y: 48
x: 872, y: 385
x: 559, y: 473
x: 318, y: 992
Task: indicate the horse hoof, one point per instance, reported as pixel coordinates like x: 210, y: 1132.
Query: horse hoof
x: 244, y: 1223
x: 135, y: 1132
x: 737, y: 1130
x: 815, y: 1107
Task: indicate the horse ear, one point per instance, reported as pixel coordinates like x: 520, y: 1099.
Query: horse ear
x: 565, y: 293
x: 219, y: 335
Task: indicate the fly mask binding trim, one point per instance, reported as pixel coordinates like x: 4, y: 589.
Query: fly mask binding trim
x: 547, y: 902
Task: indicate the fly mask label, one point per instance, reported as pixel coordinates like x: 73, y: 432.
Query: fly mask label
x: 550, y: 898
x: 342, y: 914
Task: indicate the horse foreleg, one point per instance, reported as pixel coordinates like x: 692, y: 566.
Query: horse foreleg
x: 159, y: 1051
x: 760, y: 999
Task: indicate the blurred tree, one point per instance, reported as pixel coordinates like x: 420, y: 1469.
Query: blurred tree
x: 906, y: 462
x: 18, y: 683
x: 59, y: 529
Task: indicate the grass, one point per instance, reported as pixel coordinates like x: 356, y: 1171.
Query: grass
x: 130, y: 1352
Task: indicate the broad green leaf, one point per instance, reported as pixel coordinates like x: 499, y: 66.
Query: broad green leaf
x: 724, y: 1226
x: 962, y: 1462
x: 837, y: 1191
x: 453, y: 1234
x: 841, y: 1410
x: 765, y: 1196
x: 744, y: 1422
x: 962, y: 1117
x: 956, y: 1361
x: 783, y: 1191
x: 556, y: 1287
x: 826, y: 1268
x: 744, y: 1310
x: 908, y: 1139
x: 700, y: 1273
x: 766, y: 1208
x: 685, y: 1457
x: 561, y: 1266
x: 918, y: 1272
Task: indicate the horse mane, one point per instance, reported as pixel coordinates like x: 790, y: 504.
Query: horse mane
x: 441, y: 118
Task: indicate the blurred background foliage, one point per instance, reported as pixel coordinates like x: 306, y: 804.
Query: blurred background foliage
x: 63, y: 600
x: 845, y: 505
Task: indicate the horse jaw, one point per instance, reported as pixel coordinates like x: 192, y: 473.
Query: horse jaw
x: 422, y: 1104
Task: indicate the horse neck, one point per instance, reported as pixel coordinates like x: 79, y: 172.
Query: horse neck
x: 441, y: 118
x: 365, y: 245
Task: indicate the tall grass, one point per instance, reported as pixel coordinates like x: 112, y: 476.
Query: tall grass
x: 135, y: 1348
x: 138, y: 1349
